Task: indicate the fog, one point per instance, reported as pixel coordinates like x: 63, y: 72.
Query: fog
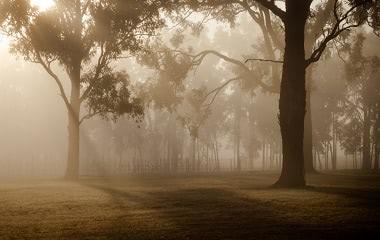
x: 34, y: 142
x: 184, y: 101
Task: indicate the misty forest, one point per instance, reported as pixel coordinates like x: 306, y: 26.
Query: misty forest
x: 189, y: 119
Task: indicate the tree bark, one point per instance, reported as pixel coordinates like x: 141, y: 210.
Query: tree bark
x: 293, y: 95
x: 308, y: 128
x: 72, y: 171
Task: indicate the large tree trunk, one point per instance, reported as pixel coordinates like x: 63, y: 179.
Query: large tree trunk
x: 72, y: 171
x: 308, y: 128
x: 366, y: 164
x: 293, y: 95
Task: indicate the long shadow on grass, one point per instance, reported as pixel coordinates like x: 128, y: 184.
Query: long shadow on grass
x: 215, y: 213
x: 369, y: 196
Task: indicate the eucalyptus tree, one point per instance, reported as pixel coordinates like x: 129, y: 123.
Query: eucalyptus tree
x: 272, y: 50
x: 83, y: 39
x: 294, y: 16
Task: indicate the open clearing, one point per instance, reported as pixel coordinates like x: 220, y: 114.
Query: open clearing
x: 223, y: 206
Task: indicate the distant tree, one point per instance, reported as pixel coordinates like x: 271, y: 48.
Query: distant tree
x: 84, y: 38
x: 193, y: 115
x: 165, y: 92
x: 362, y: 101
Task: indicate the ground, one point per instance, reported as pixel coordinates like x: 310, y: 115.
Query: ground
x: 222, y: 206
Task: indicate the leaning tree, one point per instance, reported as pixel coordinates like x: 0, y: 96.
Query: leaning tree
x: 82, y: 39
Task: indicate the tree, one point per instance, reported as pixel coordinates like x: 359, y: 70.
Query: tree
x: 83, y: 38
x: 329, y: 92
x: 363, y: 96
x: 295, y: 62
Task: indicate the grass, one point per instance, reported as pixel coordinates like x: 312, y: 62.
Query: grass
x: 226, y: 206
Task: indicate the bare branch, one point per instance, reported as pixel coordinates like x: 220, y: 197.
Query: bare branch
x: 247, y: 72
x: 88, y: 116
x: 263, y: 60
x: 46, y: 66
x: 217, y: 90
x: 339, y: 27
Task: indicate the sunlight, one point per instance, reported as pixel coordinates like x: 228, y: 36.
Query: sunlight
x: 43, y: 4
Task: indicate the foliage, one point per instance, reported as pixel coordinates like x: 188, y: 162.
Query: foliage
x: 84, y: 36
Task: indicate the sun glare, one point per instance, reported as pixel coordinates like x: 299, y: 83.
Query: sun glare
x: 43, y: 4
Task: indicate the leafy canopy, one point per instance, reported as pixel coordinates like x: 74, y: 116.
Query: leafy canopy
x: 84, y: 36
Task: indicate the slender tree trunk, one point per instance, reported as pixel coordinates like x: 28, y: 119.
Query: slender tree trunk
x: 263, y: 154
x: 366, y: 163
x: 319, y: 160
x: 194, y: 152
x: 238, y: 160
x: 334, y: 147
x: 217, y: 153
x: 293, y: 95
x: 376, y: 133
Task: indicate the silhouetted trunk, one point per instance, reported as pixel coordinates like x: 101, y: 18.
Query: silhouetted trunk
x: 250, y: 157
x: 366, y: 163
x: 327, y: 149
x: 217, y: 153
x: 120, y: 164
x: 308, y: 138
x: 237, y: 132
x: 334, y: 144
x: 308, y: 128
x: 377, y: 140
x: 193, y: 157
x: 263, y: 154
x: 319, y: 160
x: 238, y: 160
x: 293, y: 95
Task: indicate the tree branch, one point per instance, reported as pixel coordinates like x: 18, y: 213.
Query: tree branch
x: 102, y: 60
x: 47, y: 68
x: 201, y: 56
x: 263, y: 60
x: 336, y: 30
x: 88, y: 116
x: 217, y: 90
x: 270, y: 4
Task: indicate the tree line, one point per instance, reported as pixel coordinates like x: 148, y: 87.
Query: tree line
x: 86, y: 39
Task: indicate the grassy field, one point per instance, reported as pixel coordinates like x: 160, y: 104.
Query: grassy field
x: 226, y: 206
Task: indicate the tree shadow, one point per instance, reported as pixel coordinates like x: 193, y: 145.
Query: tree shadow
x: 371, y: 196
x: 216, y: 213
